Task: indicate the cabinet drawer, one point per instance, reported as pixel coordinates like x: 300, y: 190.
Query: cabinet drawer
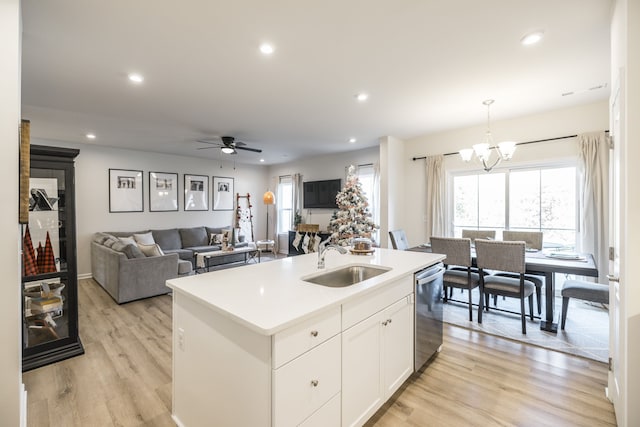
x: 328, y: 415
x: 294, y: 341
x: 305, y: 384
x: 358, y: 310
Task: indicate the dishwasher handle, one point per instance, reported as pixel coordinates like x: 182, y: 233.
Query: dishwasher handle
x: 429, y: 275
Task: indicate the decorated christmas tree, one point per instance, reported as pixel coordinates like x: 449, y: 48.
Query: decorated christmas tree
x: 353, y: 219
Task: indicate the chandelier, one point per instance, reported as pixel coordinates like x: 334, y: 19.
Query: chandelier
x: 483, y: 151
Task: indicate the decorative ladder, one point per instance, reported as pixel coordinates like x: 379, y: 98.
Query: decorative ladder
x: 244, y: 217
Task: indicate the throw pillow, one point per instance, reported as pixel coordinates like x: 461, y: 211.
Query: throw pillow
x: 133, y: 251
x: 216, y: 239
x: 109, y: 242
x: 151, y: 250
x: 144, y: 239
x: 128, y: 240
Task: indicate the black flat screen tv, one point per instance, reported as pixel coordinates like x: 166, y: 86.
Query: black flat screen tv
x: 321, y: 194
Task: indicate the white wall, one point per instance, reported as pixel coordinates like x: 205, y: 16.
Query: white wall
x: 10, y: 306
x: 393, y: 191
x: 331, y: 166
x: 571, y: 121
x: 92, y: 193
x: 625, y: 50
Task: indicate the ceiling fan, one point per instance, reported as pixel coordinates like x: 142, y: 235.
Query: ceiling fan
x: 228, y: 145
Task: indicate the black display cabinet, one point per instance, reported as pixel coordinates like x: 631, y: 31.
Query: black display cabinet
x: 49, y: 271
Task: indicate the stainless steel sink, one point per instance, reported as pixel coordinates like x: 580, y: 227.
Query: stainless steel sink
x: 346, y: 276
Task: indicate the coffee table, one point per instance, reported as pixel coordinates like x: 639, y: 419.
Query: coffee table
x: 203, y: 259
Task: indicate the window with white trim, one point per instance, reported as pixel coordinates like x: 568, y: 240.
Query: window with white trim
x: 533, y: 199
x: 285, y: 203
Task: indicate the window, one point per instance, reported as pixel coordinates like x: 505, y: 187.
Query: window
x: 367, y: 178
x: 539, y: 199
x: 285, y: 204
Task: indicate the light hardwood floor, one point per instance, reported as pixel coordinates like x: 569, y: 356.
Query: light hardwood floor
x: 124, y: 379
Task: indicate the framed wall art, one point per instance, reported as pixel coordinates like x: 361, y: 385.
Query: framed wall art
x: 196, y: 192
x: 125, y: 190
x: 222, y: 193
x: 163, y: 191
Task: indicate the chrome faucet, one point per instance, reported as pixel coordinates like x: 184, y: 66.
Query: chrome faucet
x: 323, y: 251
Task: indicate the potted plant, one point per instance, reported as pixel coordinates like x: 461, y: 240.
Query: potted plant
x: 297, y: 220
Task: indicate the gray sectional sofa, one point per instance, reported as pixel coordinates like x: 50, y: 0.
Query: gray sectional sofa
x: 127, y: 274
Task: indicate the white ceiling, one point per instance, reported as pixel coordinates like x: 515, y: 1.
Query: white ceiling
x: 426, y: 64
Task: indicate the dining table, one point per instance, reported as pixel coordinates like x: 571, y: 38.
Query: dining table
x: 546, y: 263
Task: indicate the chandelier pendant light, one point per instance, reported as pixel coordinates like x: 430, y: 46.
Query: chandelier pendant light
x: 483, y: 150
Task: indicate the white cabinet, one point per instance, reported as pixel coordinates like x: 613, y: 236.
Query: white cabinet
x: 377, y: 356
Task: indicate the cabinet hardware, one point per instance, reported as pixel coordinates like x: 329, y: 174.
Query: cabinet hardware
x: 613, y: 278
x: 314, y: 383
x: 314, y: 333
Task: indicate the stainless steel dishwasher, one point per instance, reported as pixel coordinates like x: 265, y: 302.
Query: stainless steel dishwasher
x: 428, y: 314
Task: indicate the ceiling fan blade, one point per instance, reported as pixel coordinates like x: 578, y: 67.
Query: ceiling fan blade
x: 239, y: 143
x: 206, y: 148
x: 255, y: 150
x: 208, y: 141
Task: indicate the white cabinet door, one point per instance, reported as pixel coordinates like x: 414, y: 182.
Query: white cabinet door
x: 362, y: 388
x: 397, y: 339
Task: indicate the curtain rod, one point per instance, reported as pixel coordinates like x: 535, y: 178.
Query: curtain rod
x: 518, y: 143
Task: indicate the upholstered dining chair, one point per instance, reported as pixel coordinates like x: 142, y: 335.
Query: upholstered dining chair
x: 479, y: 234
x: 458, y: 252
x: 532, y: 240
x: 508, y: 257
x: 399, y: 240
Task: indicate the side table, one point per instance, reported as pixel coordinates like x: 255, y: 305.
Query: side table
x: 268, y: 245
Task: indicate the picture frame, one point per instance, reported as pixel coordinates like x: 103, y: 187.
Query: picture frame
x: 196, y: 192
x: 126, y: 190
x: 223, y: 193
x: 163, y: 191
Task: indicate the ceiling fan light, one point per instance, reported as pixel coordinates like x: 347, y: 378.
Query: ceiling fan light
x: 227, y: 150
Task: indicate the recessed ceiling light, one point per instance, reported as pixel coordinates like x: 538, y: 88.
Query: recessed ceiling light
x: 532, y: 38
x: 261, y: 160
x: 136, y: 78
x: 362, y: 97
x: 352, y: 140
x: 266, y: 48
x: 91, y: 136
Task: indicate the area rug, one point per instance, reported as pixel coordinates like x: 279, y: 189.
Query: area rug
x: 586, y: 332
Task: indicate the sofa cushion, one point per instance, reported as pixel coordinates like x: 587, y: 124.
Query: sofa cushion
x: 185, y: 254
x: 167, y: 239
x: 215, y: 230
x: 151, y: 250
x: 194, y: 236
x: 144, y: 238
x: 100, y: 237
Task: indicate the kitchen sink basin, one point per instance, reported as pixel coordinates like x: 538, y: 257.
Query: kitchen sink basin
x: 346, y: 276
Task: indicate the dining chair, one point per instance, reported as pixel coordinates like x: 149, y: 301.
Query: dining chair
x: 399, y: 240
x: 458, y: 262
x: 479, y: 234
x: 532, y: 240
x: 507, y: 257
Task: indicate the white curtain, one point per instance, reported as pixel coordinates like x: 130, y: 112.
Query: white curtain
x: 296, y: 187
x: 593, y: 167
x: 435, y: 185
x: 375, y: 200
x: 272, y: 232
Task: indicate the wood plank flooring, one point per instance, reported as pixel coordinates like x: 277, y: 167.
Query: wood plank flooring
x: 124, y: 379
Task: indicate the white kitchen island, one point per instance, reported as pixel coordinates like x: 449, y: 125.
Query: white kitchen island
x: 259, y: 346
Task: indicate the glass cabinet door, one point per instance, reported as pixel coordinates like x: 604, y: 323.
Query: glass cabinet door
x: 49, y: 278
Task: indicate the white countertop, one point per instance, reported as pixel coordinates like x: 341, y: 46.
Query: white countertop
x: 269, y: 297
